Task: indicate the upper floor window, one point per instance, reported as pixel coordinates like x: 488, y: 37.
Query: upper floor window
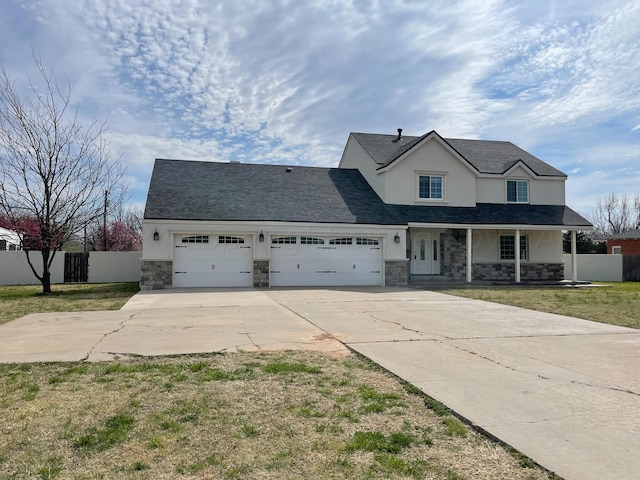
x: 517, y: 191
x: 430, y: 187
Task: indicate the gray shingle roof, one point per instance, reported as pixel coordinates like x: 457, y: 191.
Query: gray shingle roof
x: 492, y: 214
x: 194, y: 190
x: 190, y: 190
x: 485, y: 156
x: 629, y: 235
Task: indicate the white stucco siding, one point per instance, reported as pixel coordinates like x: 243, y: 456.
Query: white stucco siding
x: 547, y: 192
x: 401, y: 184
x: 163, y: 248
x: 542, y: 191
x: 355, y: 157
x: 545, y: 246
x: 491, y: 190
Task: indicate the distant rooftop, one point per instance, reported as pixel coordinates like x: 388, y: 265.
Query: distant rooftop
x: 629, y: 235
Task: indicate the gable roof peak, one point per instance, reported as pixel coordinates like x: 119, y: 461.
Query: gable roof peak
x: 485, y: 156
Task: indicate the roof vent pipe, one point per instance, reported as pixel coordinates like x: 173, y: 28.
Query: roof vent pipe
x: 399, y: 134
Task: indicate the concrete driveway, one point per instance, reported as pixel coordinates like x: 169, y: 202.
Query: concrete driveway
x: 564, y: 391
x: 168, y: 322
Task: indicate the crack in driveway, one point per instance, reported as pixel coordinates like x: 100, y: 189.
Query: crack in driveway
x: 534, y: 422
x: 448, y: 341
x: 121, y: 325
x: 615, y: 388
x: 403, y: 327
x: 247, y: 333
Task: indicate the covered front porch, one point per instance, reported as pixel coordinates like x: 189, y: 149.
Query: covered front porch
x: 487, y: 253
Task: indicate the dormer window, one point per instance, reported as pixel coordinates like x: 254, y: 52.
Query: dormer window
x: 517, y: 191
x: 430, y: 187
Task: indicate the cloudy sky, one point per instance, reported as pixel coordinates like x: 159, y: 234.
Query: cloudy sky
x: 285, y: 81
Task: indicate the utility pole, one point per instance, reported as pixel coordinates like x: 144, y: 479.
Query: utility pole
x: 104, y: 221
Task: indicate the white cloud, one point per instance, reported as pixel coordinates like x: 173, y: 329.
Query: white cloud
x: 563, y: 72
x: 285, y: 81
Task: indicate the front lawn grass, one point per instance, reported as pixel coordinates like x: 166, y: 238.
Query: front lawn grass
x: 281, y: 415
x: 616, y: 303
x: 17, y: 301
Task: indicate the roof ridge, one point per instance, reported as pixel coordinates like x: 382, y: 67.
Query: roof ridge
x: 479, y: 140
x: 432, y: 131
x: 218, y: 162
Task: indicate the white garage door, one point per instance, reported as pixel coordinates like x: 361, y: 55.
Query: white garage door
x: 323, y: 261
x: 212, y: 261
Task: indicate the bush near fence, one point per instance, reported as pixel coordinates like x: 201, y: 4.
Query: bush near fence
x: 104, y: 267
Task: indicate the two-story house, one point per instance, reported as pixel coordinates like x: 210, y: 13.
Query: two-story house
x: 397, y: 208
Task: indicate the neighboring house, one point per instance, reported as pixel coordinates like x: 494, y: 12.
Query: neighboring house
x: 396, y: 209
x: 627, y: 243
x: 9, y: 240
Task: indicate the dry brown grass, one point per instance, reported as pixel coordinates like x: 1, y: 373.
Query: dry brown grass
x: 17, y: 301
x: 270, y: 415
x: 613, y: 303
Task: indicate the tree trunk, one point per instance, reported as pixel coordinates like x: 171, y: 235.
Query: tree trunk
x: 46, y: 274
x: 46, y: 283
x: 45, y: 278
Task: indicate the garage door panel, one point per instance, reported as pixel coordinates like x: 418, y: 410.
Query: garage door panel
x: 212, y: 264
x: 325, y: 265
x: 196, y: 280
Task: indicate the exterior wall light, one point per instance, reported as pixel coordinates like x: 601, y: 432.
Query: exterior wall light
x: 156, y: 236
x: 396, y: 238
x: 261, y: 237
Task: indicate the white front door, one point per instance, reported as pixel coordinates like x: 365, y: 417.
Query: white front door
x: 425, y: 253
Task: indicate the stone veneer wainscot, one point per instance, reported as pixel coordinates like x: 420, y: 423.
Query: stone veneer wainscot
x: 260, y: 273
x: 156, y: 274
x: 396, y: 273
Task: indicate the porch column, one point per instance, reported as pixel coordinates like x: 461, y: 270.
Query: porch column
x: 469, y: 257
x: 517, y: 239
x: 574, y: 257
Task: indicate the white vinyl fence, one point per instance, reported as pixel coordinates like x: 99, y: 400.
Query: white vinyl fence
x: 103, y: 267
x: 595, y: 267
x: 125, y: 267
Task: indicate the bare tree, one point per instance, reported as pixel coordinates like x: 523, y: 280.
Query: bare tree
x: 54, y: 169
x: 616, y: 214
